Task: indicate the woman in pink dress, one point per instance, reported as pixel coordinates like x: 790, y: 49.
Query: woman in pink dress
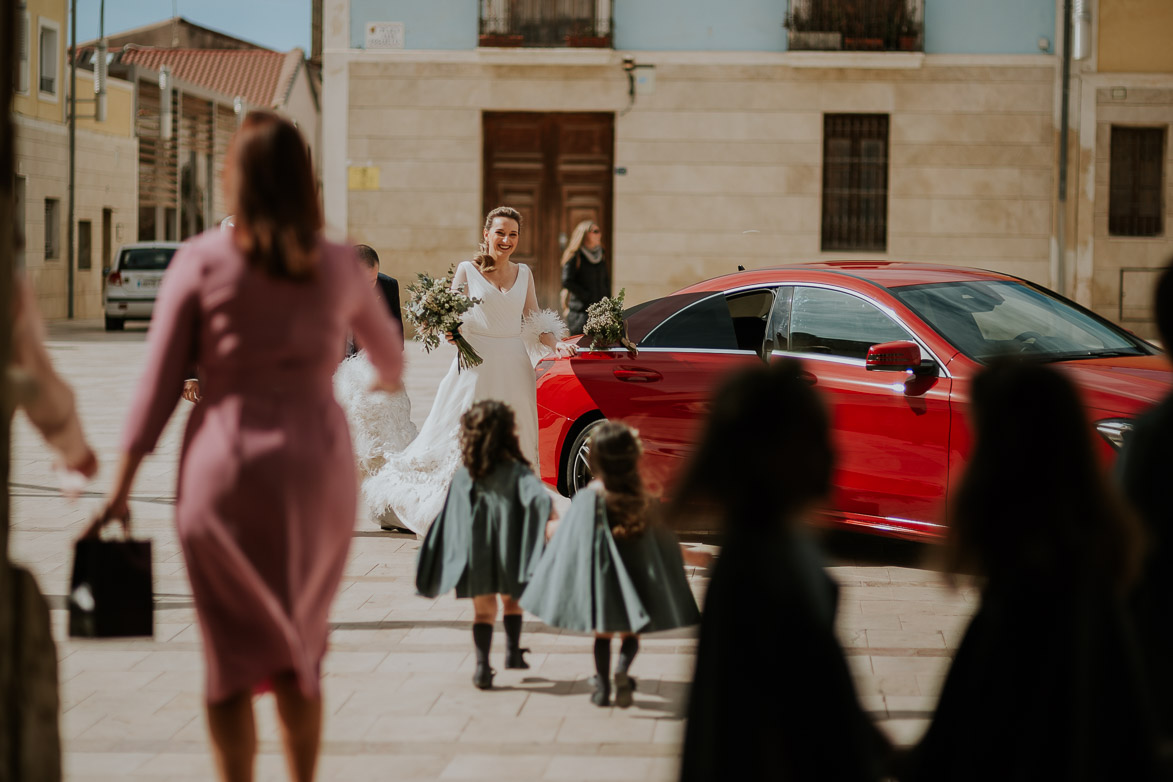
x: 265, y: 505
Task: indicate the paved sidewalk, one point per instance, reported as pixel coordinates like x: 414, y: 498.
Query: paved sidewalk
x: 399, y: 700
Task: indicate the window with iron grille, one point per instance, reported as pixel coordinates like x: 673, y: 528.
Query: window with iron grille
x: 855, y: 182
x: 554, y: 23
x: 1136, y: 181
x: 85, y: 244
x: 856, y: 25
x: 52, y: 229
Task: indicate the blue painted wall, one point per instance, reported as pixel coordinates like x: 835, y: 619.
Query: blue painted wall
x: 700, y: 25
x: 951, y: 26
x: 988, y: 26
x: 428, y: 24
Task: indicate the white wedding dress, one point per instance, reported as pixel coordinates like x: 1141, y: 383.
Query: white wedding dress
x: 380, y: 423
x: 410, y: 487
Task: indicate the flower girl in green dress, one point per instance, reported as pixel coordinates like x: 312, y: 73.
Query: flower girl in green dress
x: 610, y: 569
x: 490, y: 533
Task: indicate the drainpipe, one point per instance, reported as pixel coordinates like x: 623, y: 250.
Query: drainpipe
x: 69, y: 254
x: 1065, y: 108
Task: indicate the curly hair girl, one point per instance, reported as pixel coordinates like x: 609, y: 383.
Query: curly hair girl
x: 488, y: 436
x: 614, y: 459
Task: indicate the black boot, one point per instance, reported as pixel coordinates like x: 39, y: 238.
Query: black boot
x: 624, y: 684
x: 513, y: 652
x: 482, y: 638
x: 602, y: 680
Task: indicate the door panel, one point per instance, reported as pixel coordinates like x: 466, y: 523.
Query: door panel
x: 559, y: 166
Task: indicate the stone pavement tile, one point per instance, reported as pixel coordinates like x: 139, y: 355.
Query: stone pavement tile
x: 931, y: 622
x: 852, y: 638
x: 904, y: 733
x: 129, y: 723
x: 396, y: 767
x: 496, y: 767
x: 876, y: 705
x: 854, y: 574
x: 178, y: 681
x: 374, y: 702
x: 907, y: 639
x: 353, y: 661
x: 930, y: 684
x: 932, y: 665
x: 97, y: 659
x: 427, y: 728
x: 606, y: 730
x: 171, y: 662
x: 857, y: 620
x: 668, y: 732
x: 538, y: 731
x: 910, y: 706
x: 888, y: 684
x: 86, y: 765
x: 177, y: 765
x: 499, y: 701
x: 902, y: 607
x: 585, y: 769
x: 422, y: 662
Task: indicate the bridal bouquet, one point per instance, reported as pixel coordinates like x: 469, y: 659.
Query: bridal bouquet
x: 605, y: 326
x: 435, y: 309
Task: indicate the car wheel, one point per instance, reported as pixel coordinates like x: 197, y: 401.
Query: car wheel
x: 578, y: 469
x: 114, y: 324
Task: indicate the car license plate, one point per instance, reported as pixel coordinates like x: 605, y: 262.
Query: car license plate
x: 148, y: 282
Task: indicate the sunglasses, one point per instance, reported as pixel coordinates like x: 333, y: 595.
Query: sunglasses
x: 594, y: 231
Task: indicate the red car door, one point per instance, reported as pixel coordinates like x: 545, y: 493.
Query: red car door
x: 664, y: 392
x: 891, y: 429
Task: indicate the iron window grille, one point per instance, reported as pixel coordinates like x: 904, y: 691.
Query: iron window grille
x: 547, y: 23
x: 1136, y: 181
x: 856, y: 25
x: 855, y: 182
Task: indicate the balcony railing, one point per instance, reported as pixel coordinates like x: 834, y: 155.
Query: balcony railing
x: 560, y: 23
x: 856, y: 25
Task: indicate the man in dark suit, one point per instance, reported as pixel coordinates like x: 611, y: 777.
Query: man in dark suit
x: 388, y: 288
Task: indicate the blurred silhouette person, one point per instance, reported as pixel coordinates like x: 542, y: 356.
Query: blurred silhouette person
x: 585, y: 278
x: 1144, y: 469
x: 387, y: 287
x: 266, y: 499
x: 1045, y: 683
x: 772, y: 697
x: 46, y: 399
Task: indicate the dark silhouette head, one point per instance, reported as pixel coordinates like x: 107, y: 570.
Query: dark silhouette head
x: 1034, y: 504
x: 765, y: 453
x: 614, y: 460
x: 488, y: 436
x: 269, y: 184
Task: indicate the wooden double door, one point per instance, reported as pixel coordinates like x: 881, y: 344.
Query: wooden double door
x: 556, y: 169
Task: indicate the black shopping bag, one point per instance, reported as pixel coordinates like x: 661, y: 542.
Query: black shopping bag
x: 110, y: 592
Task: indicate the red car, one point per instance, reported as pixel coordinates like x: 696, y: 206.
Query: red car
x: 891, y: 346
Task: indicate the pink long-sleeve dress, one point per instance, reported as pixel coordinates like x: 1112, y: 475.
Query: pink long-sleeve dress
x: 265, y: 506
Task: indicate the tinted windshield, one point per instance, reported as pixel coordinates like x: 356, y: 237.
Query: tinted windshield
x: 1004, y: 317
x: 146, y: 259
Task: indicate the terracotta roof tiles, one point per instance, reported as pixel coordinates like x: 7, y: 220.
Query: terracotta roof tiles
x: 261, y: 77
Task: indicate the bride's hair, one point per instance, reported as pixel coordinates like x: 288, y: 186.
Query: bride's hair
x: 482, y: 259
x: 488, y: 436
x: 614, y: 459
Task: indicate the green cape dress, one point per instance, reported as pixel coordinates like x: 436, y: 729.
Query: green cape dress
x: 589, y: 581
x: 488, y: 536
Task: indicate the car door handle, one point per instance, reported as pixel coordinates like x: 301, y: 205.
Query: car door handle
x: 808, y: 377
x: 637, y: 375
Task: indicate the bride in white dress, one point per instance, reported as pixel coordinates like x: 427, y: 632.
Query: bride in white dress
x: 509, y: 332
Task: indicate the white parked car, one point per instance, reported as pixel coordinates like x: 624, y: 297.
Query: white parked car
x: 132, y: 283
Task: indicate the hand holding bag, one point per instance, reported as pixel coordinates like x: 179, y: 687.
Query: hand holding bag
x: 110, y: 592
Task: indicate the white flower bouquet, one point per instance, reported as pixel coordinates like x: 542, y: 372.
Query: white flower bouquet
x: 605, y: 326
x: 435, y: 309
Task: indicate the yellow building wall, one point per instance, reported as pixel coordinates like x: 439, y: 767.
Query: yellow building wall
x: 1134, y: 36
x: 119, y: 106
x: 34, y: 103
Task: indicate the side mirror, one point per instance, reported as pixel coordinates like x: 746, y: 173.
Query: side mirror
x: 899, y: 356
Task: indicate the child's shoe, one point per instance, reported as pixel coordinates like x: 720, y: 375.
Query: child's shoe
x: 602, y: 694
x: 624, y: 687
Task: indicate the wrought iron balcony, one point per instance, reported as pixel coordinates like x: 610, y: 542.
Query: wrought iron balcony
x: 856, y: 25
x: 549, y: 23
